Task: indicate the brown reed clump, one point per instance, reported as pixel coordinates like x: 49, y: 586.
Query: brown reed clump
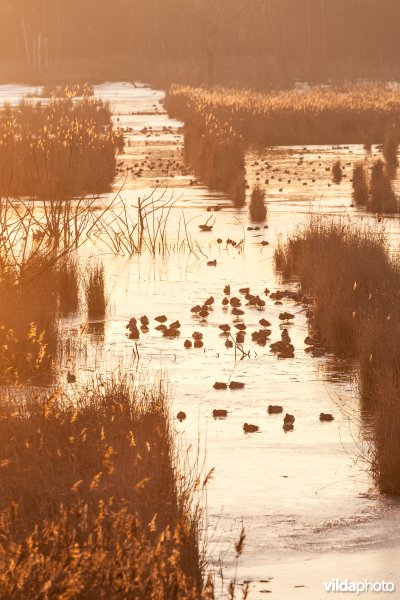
x: 355, y: 283
x: 28, y: 328
x: 216, y: 155
x: 360, y: 185
x: 68, y: 285
x: 60, y: 149
x: 337, y: 173
x: 356, y: 114
x: 95, y: 291
x: 92, y: 504
x: 77, y: 90
x: 257, y: 207
x: 382, y: 198
x: 390, y: 147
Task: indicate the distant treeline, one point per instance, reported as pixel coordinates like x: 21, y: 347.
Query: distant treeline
x: 255, y: 43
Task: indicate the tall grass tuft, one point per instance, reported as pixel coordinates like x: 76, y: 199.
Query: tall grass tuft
x: 257, y: 207
x: 95, y: 291
x: 382, y: 196
x: 337, y: 173
x: 360, y: 185
x: 66, y: 147
x: 355, y: 282
x: 92, y: 504
x: 68, y: 285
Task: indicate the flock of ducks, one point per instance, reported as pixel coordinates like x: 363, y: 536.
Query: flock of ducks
x: 235, y: 334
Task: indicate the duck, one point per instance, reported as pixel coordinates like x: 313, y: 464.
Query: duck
x: 288, y: 419
x: 71, y: 377
x: 219, y: 413
x: 188, y: 344
x: 212, y: 263
x: 286, y: 316
x: 326, y: 417
x: 248, y: 428
x: 218, y: 385
x: 237, y: 312
x: 175, y: 325
x: 161, y: 319
x: 236, y: 385
x: 144, y: 321
x: 181, y: 416
x: 227, y: 290
x: 264, y: 323
x: 225, y: 328
x: 274, y: 409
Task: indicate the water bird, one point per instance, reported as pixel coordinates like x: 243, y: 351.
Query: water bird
x: 326, y: 417
x: 229, y: 344
x: 286, y: 316
x: 175, y: 325
x: 218, y: 385
x: 235, y: 302
x: 161, y: 328
x: 144, y: 321
x: 274, y: 409
x: 227, y: 290
x: 248, y: 428
x: 237, y: 312
x: 219, y: 413
x: 240, y: 337
x: 236, y: 385
x: 188, y: 344
x: 225, y: 302
x: 204, y: 313
x: 241, y: 326
x: 161, y: 319
x: 288, y: 419
x: 196, y: 309
x: 264, y: 323
x: 225, y: 328
x: 212, y: 263
x: 181, y: 416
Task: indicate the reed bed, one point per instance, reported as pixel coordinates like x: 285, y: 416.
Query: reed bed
x: 58, y: 149
x: 257, y: 207
x: 318, y: 115
x: 355, y: 284
x: 95, y: 291
x: 77, y: 90
x: 92, y: 503
x: 375, y: 193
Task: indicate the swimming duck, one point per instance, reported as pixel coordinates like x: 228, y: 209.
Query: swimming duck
x: 286, y: 316
x: 274, y: 409
x: 248, y: 428
x: 219, y: 413
x: 161, y: 319
x: 288, y: 419
x: 236, y: 385
x: 218, y: 385
x: 181, y: 416
x: 326, y: 417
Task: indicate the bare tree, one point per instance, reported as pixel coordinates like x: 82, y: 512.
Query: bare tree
x: 212, y: 16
